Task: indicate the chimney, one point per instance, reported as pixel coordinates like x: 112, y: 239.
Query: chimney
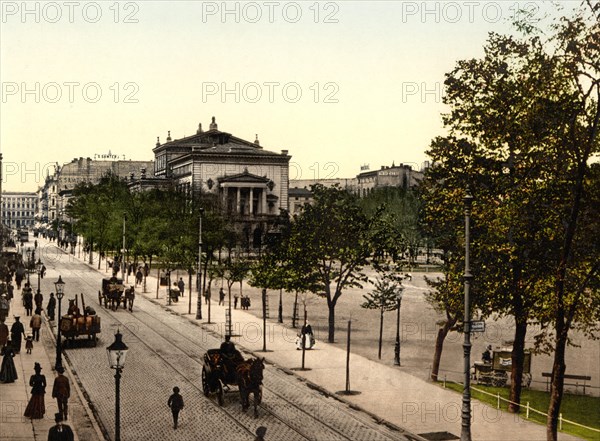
x: 257, y: 142
x: 213, y: 124
x: 199, y: 129
x: 169, y: 136
x: 157, y: 141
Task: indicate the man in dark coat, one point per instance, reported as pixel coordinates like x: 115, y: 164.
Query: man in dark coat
x: 181, y: 286
x: 28, y: 299
x: 60, y: 432
x: 51, y: 306
x: 61, y: 390
x: 38, y: 298
x: 16, y: 332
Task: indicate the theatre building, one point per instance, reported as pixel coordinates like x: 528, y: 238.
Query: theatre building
x: 249, y: 182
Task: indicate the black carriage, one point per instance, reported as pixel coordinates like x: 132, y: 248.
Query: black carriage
x: 221, y: 370
x: 112, y: 293
x: 496, y: 373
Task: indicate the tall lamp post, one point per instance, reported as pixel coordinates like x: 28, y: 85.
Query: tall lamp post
x: 199, y: 280
x: 39, y: 265
x: 28, y: 262
x: 60, y: 291
x: 117, y: 352
x: 123, y: 254
x: 397, y: 345
x: 465, y: 434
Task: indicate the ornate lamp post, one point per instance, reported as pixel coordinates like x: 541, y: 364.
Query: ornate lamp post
x: 28, y: 262
x: 397, y: 345
x: 117, y: 352
x: 60, y: 291
x: 38, y: 266
x: 465, y: 434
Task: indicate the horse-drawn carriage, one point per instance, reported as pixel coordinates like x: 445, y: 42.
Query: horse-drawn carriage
x: 113, y: 292
x: 75, y: 324
x: 222, y: 368
x: 495, y: 373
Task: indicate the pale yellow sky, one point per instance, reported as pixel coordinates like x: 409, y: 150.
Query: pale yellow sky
x: 338, y: 84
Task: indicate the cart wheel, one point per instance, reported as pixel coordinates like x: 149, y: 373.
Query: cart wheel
x: 499, y: 379
x: 220, y: 394
x: 205, y: 387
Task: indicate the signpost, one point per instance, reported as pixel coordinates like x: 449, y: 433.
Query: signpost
x: 477, y: 326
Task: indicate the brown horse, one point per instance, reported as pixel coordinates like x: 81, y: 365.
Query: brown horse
x: 249, y: 379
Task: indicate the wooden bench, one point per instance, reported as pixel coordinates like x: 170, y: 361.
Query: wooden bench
x: 583, y: 378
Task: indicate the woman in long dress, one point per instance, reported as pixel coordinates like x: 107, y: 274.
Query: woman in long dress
x: 8, y: 372
x: 36, y: 408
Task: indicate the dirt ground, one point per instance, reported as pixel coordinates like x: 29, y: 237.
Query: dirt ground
x: 418, y: 333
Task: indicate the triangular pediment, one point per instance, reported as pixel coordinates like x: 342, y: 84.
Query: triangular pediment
x: 246, y: 176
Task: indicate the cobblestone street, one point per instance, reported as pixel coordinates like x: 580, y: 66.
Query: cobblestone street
x: 165, y: 350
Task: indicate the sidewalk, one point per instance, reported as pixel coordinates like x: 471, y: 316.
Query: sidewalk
x: 386, y: 392
x: 15, y: 396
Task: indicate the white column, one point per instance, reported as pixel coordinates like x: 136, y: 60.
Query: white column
x: 264, y: 207
x: 251, y: 191
x: 238, y: 201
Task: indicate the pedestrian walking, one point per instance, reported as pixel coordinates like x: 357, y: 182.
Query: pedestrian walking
x: 28, y: 299
x: 51, y: 306
x: 60, y: 432
x: 8, y: 371
x: 29, y: 344
x: 3, y: 333
x: 221, y: 296
x: 43, y: 273
x: 175, y: 402
x: 207, y: 296
x: 35, y: 324
x: 235, y: 300
x: 138, y: 277
x: 4, y: 307
x: 35, y: 408
x: 261, y: 431
x: 61, y: 390
x: 10, y: 289
x: 38, y: 298
x: 181, y: 286
x: 16, y: 332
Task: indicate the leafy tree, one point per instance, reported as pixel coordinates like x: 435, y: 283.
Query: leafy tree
x: 384, y: 296
x: 329, y: 243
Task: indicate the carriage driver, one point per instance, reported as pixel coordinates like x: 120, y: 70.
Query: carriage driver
x: 231, y: 356
x: 486, y: 356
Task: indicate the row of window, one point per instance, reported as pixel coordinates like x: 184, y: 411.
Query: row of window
x: 17, y: 213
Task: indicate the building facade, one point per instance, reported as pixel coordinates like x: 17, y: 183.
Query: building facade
x: 249, y: 182
x: 19, y: 209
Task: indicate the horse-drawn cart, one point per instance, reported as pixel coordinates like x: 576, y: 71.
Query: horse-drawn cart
x: 75, y: 324
x: 496, y: 373
x: 223, y: 369
x: 112, y: 293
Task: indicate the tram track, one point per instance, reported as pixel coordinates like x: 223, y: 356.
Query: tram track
x: 143, y: 322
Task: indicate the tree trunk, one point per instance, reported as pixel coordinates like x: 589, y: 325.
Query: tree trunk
x: 556, y: 388
x: 439, y: 347
x: 294, y: 317
x: 518, y: 359
x: 331, y: 336
x: 380, y: 332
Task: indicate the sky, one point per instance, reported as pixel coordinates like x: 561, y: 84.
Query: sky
x: 338, y: 84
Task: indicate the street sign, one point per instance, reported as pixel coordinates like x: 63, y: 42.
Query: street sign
x: 477, y: 326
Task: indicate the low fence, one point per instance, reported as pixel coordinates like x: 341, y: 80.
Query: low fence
x: 527, y: 407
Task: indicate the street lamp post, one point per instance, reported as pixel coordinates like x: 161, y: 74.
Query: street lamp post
x: 397, y: 345
x: 39, y: 266
x: 28, y: 262
x: 199, y: 279
x: 123, y: 254
x: 117, y: 353
x: 465, y: 434
x: 60, y: 290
